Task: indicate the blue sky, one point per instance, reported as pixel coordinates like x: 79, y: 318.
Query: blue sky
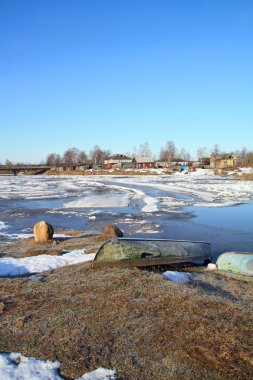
x: 118, y: 73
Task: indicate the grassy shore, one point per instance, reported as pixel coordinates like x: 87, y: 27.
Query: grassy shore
x: 134, y: 321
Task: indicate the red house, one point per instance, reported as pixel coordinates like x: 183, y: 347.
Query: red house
x: 144, y: 162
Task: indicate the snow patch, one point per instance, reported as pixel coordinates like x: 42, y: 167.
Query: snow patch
x: 246, y: 170
x: 179, y: 277
x: 16, y: 236
x: 10, y: 266
x: 26, y: 236
x: 99, y: 374
x: 15, y: 366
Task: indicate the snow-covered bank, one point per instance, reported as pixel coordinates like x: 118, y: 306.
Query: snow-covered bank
x: 15, y: 366
x: 25, y: 236
x: 10, y: 266
x: 245, y: 171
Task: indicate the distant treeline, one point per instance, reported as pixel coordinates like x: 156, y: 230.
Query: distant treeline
x: 97, y: 155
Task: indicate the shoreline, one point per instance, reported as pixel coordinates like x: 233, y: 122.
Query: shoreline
x: 88, y: 318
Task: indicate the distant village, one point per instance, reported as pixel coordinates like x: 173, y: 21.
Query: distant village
x: 170, y: 159
x: 123, y: 162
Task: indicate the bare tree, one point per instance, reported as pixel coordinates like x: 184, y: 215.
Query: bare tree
x: 202, y: 153
x: 51, y: 158
x: 70, y: 157
x: 241, y: 155
x: 97, y: 155
x: 58, y: 160
x: 168, y: 152
x: 248, y: 159
x: 216, y: 150
x: 8, y: 163
x: 144, y: 150
x: 184, y: 155
x: 135, y: 151
x: 82, y: 157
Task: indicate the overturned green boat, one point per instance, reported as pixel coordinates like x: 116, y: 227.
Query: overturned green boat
x: 129, y: 252
x: 236, y: 264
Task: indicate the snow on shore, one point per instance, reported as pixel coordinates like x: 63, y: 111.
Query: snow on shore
x: 246, y: 171
x: 15, y: 366
x: 25, y: 236
x: 10, y: 266
x: 179, y: 277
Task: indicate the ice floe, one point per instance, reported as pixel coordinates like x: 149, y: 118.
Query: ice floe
x: 108, y: 201
x: 201, y: 188
x: 10, y: 266
x: 16, y: 366
x: 3, y: 225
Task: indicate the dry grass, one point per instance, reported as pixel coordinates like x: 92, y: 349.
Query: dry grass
x: 245, y: 177
x: 139, y: 323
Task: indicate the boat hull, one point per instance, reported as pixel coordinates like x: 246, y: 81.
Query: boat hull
x: 125, y: 252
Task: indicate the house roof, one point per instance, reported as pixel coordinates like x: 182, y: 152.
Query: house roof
x: 177, y: 159
x: 225, y: 156
x: 143, y: 159
x: 119, y: 157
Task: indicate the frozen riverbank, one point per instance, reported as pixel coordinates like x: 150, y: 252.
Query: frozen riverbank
x: 197, y: 206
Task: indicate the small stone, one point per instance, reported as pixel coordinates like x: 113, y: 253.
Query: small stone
x: 43, y: 232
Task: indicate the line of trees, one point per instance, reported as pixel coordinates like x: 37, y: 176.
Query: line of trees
x: 169, y: 151
x: 97, y: 155
x: 74, y: 156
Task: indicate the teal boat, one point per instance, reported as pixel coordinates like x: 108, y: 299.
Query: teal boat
x: 236, y: 263
x: 130, y: 252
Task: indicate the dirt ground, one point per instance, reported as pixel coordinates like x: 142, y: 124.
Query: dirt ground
x: 134, y: 321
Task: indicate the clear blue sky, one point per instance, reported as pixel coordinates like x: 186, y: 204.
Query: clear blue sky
x: 118, y: 73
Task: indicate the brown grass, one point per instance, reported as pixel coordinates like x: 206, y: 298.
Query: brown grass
x: 247, y: 177
x: 144, y: 326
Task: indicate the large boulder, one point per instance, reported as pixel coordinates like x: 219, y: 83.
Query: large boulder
x: 111, y: 231
x: 43, y: 232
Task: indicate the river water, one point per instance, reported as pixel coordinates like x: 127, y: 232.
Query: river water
x: 199, y: 207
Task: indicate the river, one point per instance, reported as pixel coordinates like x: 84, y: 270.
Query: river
x: 192, y: 207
